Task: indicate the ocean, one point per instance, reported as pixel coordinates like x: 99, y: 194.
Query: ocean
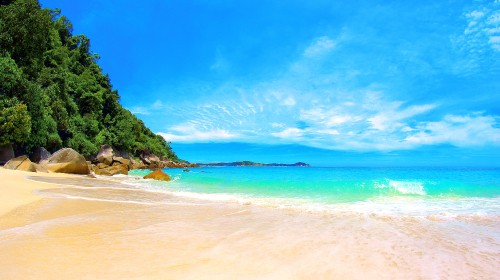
x: 409, y: 191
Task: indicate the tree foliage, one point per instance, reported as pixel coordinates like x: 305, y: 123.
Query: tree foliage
x: 15, y: 122
x: 54, y: 94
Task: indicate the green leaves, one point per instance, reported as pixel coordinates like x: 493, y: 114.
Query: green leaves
x: 15, y: 122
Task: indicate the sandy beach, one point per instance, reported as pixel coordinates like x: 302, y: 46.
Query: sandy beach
x: 104, y: 234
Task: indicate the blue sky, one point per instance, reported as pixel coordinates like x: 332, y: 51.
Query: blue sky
x: 329, y: 82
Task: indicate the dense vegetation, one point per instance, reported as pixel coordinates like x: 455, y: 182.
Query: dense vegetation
x: 53, y: 93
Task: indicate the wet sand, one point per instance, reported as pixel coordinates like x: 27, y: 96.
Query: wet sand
x: 116, y: 233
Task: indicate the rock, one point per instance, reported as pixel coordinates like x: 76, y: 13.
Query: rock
x: 89, y: 165
x: 148, y: 158
x: 26, y: 165
x: 122, y: 154
x: 41, y: 155
x: 120, y: 169
x: 102, y: 165
x: 15, y: 162
x: 158, y: 174
x: 121, y: 160
x: 137, y: 165
x: 92, y: 176
x: 21, y: 163
x: 6, y: 153
x: 105, y: 154
x: 185, y: 170
x: 40, y: 168
x: 112, y: 170
x: 67, y: 160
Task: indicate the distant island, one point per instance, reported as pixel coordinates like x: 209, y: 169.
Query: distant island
x: 251, y: 163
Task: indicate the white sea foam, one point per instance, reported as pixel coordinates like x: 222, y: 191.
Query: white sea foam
x: 177, y: 192
x: 403, y: 187
x: 387, y: 206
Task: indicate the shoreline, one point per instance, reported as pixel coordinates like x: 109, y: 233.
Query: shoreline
x: 17, y: 190
x: 53, y: 237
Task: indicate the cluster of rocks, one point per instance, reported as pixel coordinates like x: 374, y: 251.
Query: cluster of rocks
x: 106, y: 162
x: 65, y: 160
x: 149, y: 160
x: 111, y: 162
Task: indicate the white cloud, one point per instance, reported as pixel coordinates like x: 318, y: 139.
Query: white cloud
x: 320, y: 46
x: 199, y: 137
x: 475, y: 14
x: 138, y: 110
x: 482, y: 28
x: 289, y: 133
x: 189, y: 133
x: 289, y: 101
x: 390, y: 119
x: 157, y: 105
x: 461, y: 131
x: 340, y: 119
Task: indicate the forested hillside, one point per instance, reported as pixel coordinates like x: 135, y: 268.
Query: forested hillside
x: 53, y: 93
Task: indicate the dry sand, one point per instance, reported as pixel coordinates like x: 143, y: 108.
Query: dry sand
x: 16, y: 190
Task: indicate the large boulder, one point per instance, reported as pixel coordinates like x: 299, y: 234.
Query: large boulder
x: 67, y: 160
x: 41, y: 155
x: 6, y: 153
x: 105, y: 154
x: 158, y: 174
x: 21, y: 163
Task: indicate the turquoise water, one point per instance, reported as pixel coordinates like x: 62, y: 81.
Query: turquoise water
x: 334, y: 185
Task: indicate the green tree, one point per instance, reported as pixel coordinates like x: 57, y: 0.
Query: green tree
x: 15, y: 122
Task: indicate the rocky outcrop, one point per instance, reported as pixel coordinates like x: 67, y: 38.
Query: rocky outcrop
x: 108, y: 162
x: 158, y: 174
x: 67, y: 160
x: 137, y: 164
x: 149, y: 158
x: 40, y: 156
x: 105, y: 154
x: 6, y: 153
x: 121, y: 160
x: 112, y: 170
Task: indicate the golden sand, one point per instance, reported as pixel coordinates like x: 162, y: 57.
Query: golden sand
x: 61, y: 238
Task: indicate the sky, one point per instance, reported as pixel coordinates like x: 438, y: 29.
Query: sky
x: 332, y: 83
